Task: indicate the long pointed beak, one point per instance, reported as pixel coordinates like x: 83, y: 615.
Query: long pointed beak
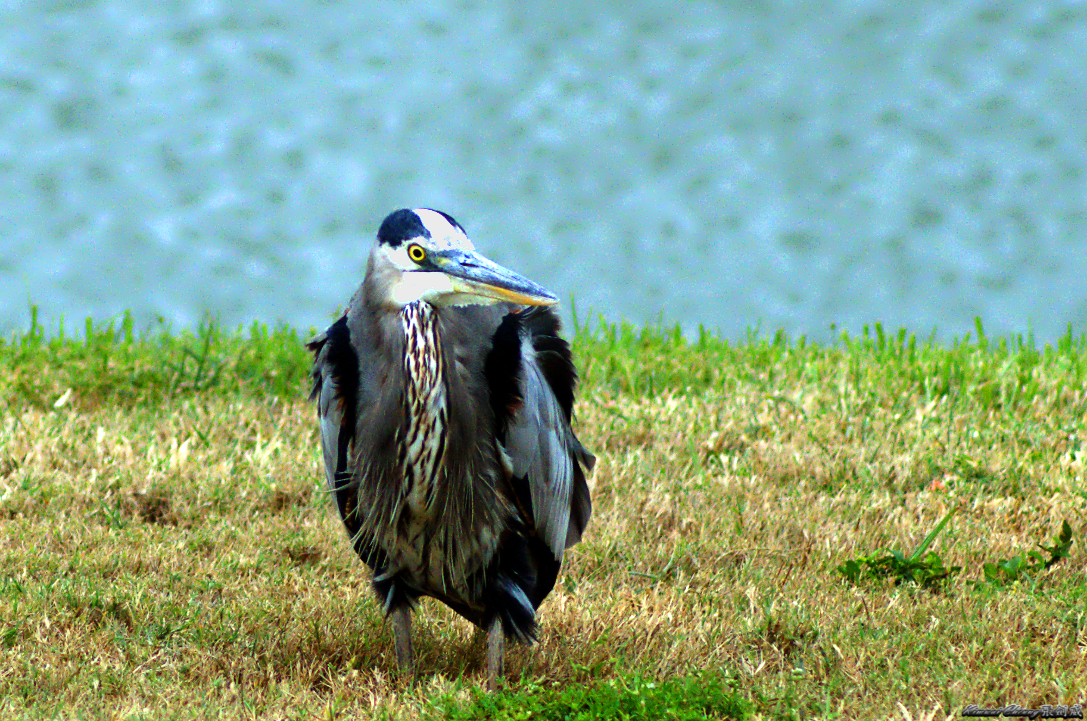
x: 475, y: 276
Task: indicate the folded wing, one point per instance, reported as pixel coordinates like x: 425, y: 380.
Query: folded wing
x: 539, y: 440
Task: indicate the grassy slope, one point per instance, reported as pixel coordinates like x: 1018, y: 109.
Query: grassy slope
x: 165, y: 537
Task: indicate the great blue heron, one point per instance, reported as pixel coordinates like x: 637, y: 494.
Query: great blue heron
x: 445, y: 397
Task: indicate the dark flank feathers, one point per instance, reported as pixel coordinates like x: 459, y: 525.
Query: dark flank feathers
x: 502, y: 371
x: 334, y: 348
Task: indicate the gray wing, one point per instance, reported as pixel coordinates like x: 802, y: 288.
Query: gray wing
x: 335, y: 383
x: 540, y: 442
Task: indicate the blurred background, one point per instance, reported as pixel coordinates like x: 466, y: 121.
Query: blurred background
x: 732, y: 164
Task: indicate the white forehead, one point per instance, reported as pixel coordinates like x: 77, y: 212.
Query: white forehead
x: 443, y: 234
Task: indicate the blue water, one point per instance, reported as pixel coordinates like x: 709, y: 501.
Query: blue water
x: 732, y: 164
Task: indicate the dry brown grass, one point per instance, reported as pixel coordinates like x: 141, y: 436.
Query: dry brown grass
x: 180, y: 559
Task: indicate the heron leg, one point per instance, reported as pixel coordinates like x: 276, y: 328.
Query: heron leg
x: 496, y: 652
x: 405, y: 663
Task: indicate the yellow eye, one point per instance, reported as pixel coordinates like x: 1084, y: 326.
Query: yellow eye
x: 416, y: 253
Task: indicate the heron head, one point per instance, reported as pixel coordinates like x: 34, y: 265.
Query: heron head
x: 424, y: 254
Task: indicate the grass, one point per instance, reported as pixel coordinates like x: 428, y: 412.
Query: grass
x: 167, y: 550
x: 926, y: 570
